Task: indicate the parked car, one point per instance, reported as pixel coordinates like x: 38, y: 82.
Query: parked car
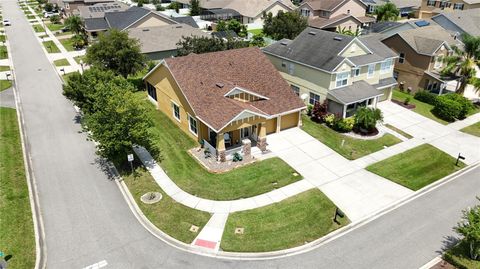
x: 50, y: 14
x: 7, y: 23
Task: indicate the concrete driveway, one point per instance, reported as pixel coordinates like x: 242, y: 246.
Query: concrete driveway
x: 356, y: 191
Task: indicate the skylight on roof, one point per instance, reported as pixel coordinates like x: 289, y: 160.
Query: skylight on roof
x: 422, y: 23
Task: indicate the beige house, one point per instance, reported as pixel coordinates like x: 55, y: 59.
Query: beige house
x: 336, y: 14
x: 228, y: 100
x: 246, y: 11
x: 348, y: 71
x: 430, y: 8
x: 420, y: 57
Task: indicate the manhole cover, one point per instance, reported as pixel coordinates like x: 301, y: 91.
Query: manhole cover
x: 194, y: 229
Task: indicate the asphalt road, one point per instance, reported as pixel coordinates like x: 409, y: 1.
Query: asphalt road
x: 87, y: 220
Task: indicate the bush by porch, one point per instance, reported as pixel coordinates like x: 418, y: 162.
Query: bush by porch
x: 352, y: 148
x: 189, y: 175
x: 289, y: 223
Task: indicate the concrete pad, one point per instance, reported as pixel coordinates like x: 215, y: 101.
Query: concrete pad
x: 277, y: 143
x: 262, y: 200
x: 221, y: 206
x: 205, y: 205
x: 458, y: 142
x: 243, y: 204
x: 294, y: 156
x: 277, y: 195
x: 363, y: 193
x: 297, y: 136
x: 315, y: 173
x: 191, y: 201
x: 315, y: 149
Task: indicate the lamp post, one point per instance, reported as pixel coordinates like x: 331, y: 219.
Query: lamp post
x: 8, y: 76
x: 63, y: 70
x: 81, y: 65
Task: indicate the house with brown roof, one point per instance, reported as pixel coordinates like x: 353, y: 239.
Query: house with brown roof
x: 225, y: 99
x: 331, y: 15
x: 420, y: 57
x: 430, y: 8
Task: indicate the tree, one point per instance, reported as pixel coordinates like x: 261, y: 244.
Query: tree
x: 284, y: 25
x: 257, y: 40
x: 462, y: 63
x: 55, y: 19
x: 74, y: 24
x: 175, y: 6
x: 221, y: 26
x: 367, y: 117
x: 198, y: 45
x: 349, y: 32
x: 79, y: 40
x: 387, y: 12
x: 159, y: 7
x: 469, y: 228
x: 119, y: 122
x: 140, y: 3
x: 239, y: 28
x: 80, y: 88
x: 117, y: 52
x: 195, y: 9
x: 48, y: 7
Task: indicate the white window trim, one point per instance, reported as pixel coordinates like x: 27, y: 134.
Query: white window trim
x: 309, y: 97
x: 355, y: 72
x: 190, y: 126
x: 368, y: 71
x: 401, y: 59
x: 384, y: 68
x: 438, y: 63
x: 173, y: 111
x: 336, y: 79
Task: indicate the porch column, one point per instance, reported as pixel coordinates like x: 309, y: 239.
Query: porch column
x: 262, y: 137
x: 299, y: 119
x: 279, y: 124
x: 344, y: 114
x: 221, y: 147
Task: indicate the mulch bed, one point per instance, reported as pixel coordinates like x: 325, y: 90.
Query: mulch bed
x: 400, y: 103
x: 443, y: 265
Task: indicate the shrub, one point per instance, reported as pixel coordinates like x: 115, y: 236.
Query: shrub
x: 447, y: 108
x: 469, y: 228
x: 329, y: 120
x: 55, y: 19
x: 309, y: 110
x: 426, y: 97
x: 159, y: 8
x: 407, y: 100
x: 452, y: 106
x: 343, y: 125
x: 367, y: 118
x: 237, y: 157
x: 319, y: 111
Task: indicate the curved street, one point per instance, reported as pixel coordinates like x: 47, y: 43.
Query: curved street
x: 87, y: 220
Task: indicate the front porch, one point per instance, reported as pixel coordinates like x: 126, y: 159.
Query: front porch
x: 436, y: 83
x: 245, y: 140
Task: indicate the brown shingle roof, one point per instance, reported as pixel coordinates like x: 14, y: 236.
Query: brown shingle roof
x: 198, y: 75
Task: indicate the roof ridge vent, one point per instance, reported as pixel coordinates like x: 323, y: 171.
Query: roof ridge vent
x: 312, y: 33
x: 145, y: 30
x: 220, y: 85
x: 284, y: 43
x: 178, y: 26
x: 338, y: 38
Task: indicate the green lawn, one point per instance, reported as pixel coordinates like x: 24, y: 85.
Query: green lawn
x: 169, y: 216
x: 54, y: 27
x: 16, y: 226
x: 459, y: 257
x: 4, y: 68
x: 3, y: 38
x: 289, y: 223
x: 63, y: 33
x: 189, y: 175
x: 421, y: 108
x: 417, y: 167
x: 256, y: 31
x: 79, y: 58
x: 3, y: 52
x: 67, y: 44
x: 473, y: 129
x: 352, y: 148
x: 66, y: 76
x: 50, y: 47
x: 38, y: 28
x: 5, y: 84
x: 389, y: 126
x: 61, y: 62
x: 30, y: 17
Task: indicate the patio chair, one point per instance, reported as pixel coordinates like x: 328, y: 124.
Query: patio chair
x: 226, y: 138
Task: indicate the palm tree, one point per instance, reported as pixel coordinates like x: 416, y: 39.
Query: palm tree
x: 462, y: 63
x: 387, y: 12
x: 75, y: 24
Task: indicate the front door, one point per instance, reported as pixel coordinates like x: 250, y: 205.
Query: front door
x: 245, y: 132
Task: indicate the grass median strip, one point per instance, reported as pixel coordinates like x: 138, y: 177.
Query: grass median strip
x: 473, y: 129
x: 51, y: 47
x: 5, y: 84
x: 389, y: 126
x: 417, y: 167
x: 3, y: 52
x: 67, y: 44
x: 169, y: 216
x: 61, y: 62
x: 286, y: 224
x: 16, y: 226
x: 352, y: 148
x: 38, y: 28
x: 189, y: 175
x: 4, y: 68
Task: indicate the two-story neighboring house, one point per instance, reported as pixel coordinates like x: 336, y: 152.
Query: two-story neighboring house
x: 460, y: 21
x: 420, y: 57
x: 348, y: 71
x: 334, y: 14
x: 431, y: 8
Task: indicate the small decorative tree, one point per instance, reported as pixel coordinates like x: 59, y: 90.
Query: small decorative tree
x: 195, y: 9
x: 366, y: 119
x: 469, y: 228
x: 55, y: 19
x: 319, y: 111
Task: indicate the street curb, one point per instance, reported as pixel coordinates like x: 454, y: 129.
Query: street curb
x: 286, y: 252
x: 40, y: 244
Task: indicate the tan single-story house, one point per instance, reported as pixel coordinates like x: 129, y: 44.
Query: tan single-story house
x: 226, y: 100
